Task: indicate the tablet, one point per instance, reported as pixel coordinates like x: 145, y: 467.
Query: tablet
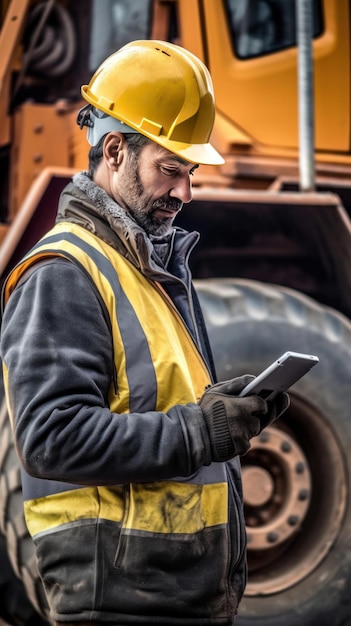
x: 280, y: 375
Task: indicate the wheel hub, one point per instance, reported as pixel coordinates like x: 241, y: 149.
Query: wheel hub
x: 277, y: 489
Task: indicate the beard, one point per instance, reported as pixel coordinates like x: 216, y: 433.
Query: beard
x: 137, y: 201
x: 153, y: 225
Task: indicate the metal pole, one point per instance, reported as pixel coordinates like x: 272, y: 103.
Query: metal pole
x: 304, y: 34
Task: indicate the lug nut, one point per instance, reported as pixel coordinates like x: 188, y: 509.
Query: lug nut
x: 299, y: 467
x: 303, y: 494
x: 264, y: 437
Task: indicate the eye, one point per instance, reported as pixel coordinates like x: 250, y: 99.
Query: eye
x: 168, y: 171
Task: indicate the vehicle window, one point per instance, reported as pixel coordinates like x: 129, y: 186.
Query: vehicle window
x: 260, y: 27
x: 115, y: 23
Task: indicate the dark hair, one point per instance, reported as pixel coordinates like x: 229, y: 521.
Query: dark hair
x: 135, y: 142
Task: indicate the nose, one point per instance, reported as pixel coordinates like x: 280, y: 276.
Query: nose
x: 182, y: 189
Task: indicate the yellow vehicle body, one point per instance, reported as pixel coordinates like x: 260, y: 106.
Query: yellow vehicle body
x: 273, y: 267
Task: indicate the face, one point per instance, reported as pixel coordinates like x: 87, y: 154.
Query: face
x: 153, y: 187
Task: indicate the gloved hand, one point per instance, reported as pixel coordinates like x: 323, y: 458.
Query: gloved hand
x: 233, y: 421
x: 276, y: 408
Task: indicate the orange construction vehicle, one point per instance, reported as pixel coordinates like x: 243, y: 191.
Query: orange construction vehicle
x: 273, y: 267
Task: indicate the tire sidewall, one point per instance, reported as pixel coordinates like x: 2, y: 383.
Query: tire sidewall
x: 246, y: 338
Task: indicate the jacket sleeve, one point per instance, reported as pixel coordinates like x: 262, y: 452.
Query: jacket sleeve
x: 56, y: 345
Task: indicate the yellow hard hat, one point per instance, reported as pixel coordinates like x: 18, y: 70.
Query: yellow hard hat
x: 162, y: 91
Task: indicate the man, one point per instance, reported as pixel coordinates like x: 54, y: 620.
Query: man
x: 131, y: 475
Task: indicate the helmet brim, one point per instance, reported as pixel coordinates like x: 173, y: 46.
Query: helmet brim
x: 202, y: 154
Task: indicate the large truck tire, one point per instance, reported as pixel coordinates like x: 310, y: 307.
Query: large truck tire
x: 297, y: 474
x: 22, y: 590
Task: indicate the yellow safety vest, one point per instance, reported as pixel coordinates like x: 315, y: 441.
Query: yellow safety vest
x: 157, y: 366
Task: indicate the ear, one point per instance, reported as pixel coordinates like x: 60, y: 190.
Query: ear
x: 114, y: 149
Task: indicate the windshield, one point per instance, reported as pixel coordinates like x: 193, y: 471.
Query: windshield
x: 260, y: 27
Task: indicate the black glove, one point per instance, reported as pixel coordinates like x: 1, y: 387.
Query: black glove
x: 233, y: 421
x: 276, y: 408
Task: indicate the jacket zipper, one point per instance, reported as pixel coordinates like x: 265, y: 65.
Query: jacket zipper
x: 122, y: 539
x: 240, y: 542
